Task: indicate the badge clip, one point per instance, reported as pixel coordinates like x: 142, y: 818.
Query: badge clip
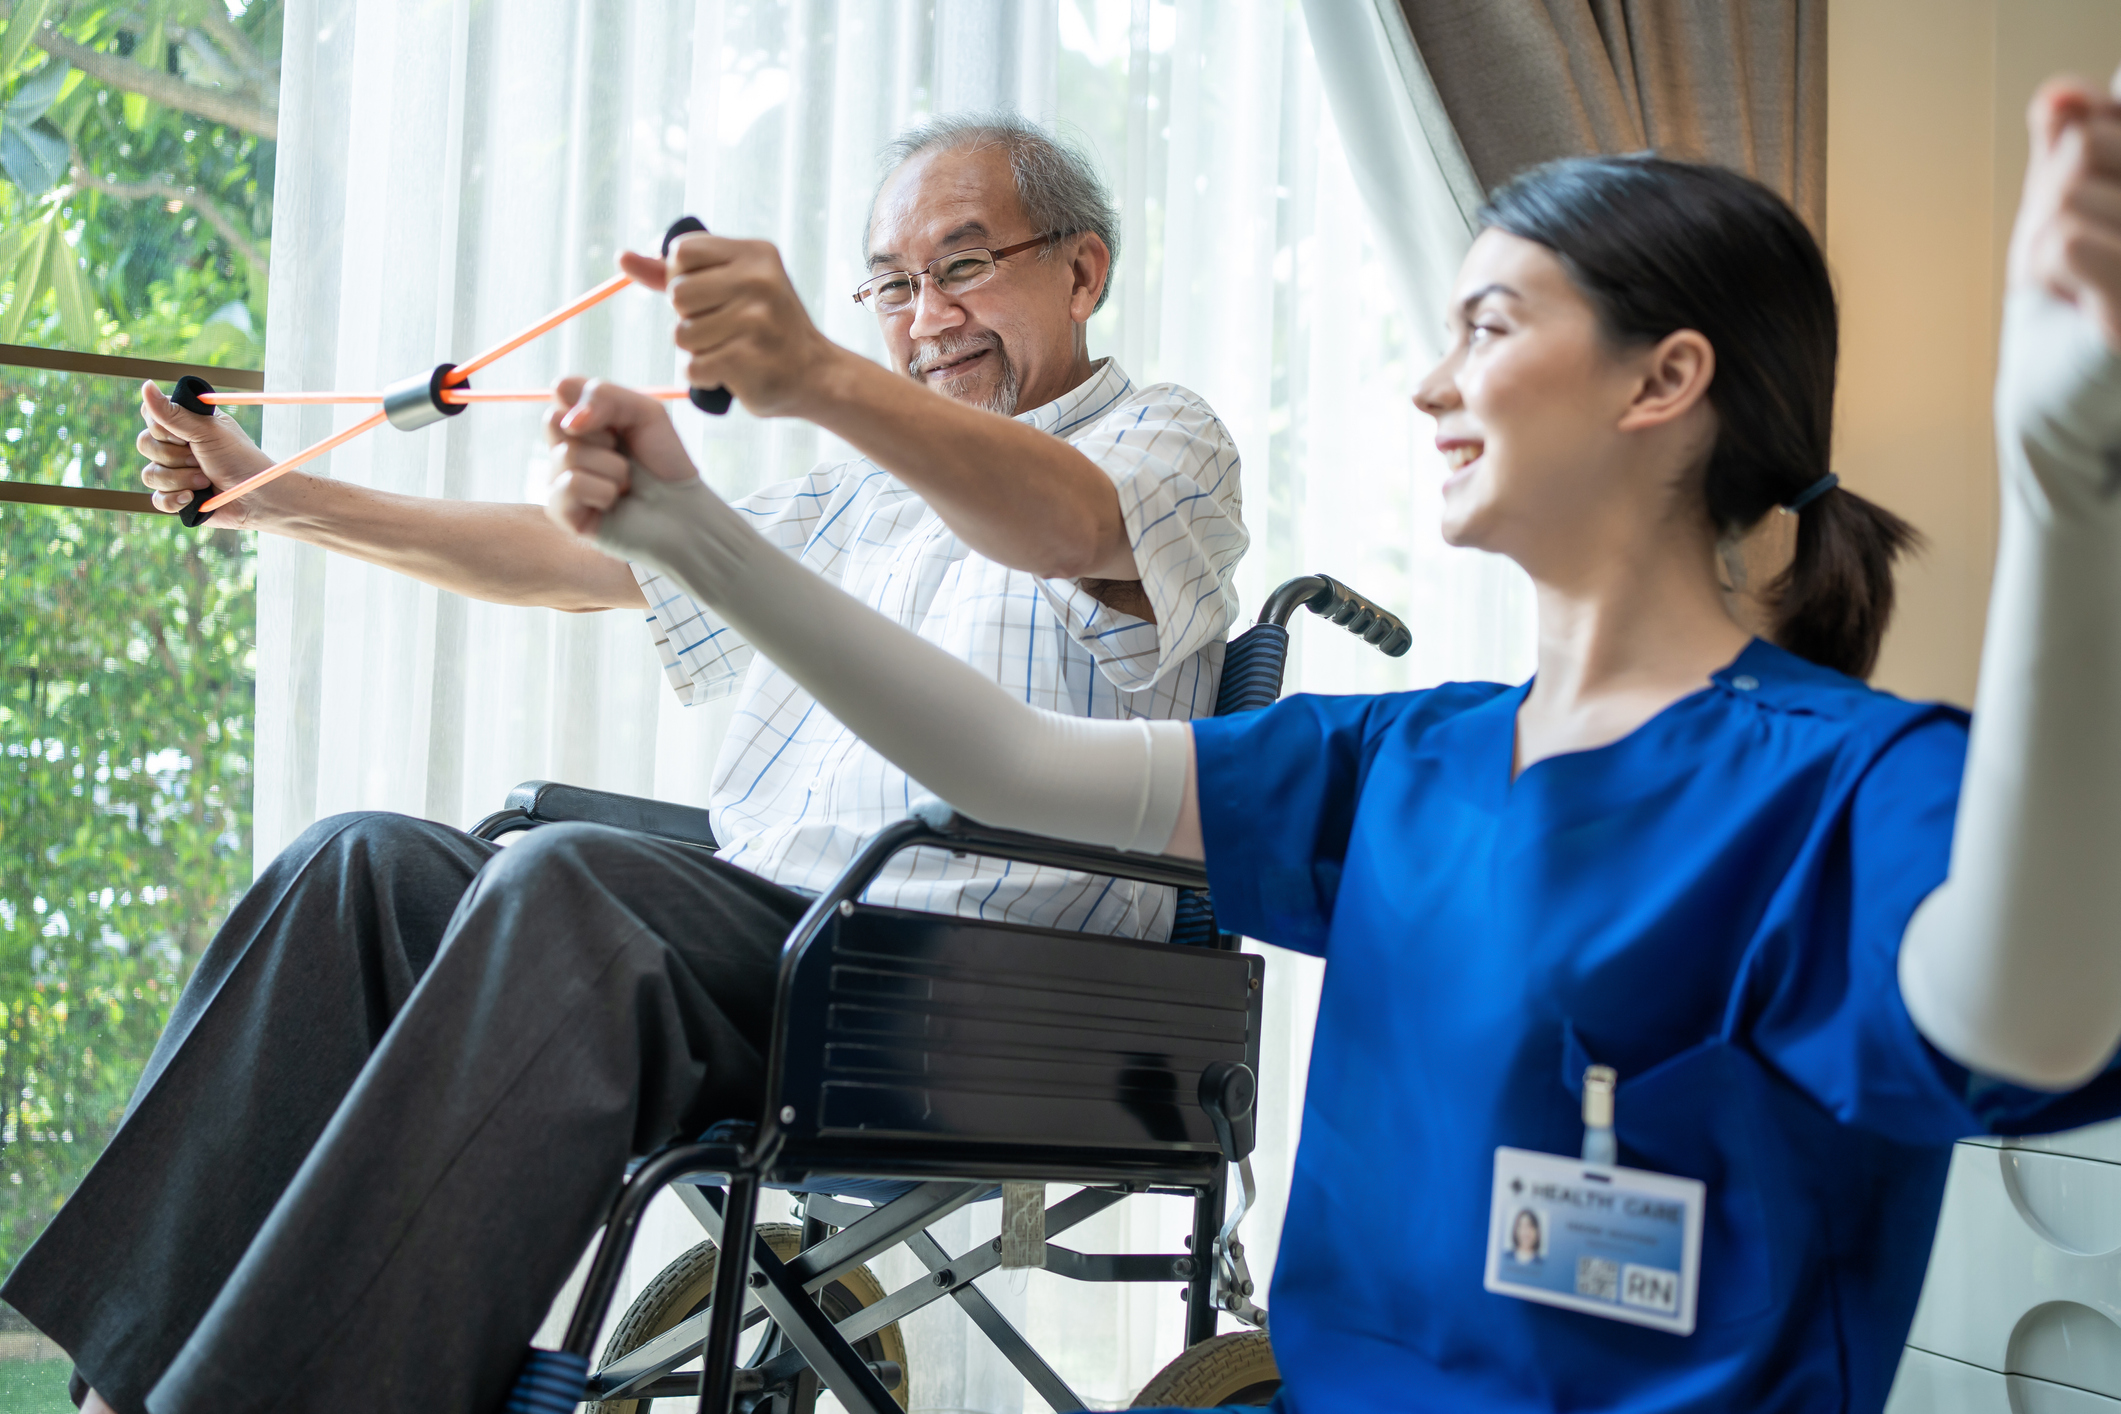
x: 1599, y: 1146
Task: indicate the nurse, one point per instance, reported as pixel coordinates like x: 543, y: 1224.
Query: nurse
x: 1681, y: 851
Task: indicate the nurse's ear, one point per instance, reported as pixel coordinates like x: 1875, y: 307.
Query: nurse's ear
x: 1672, y: 380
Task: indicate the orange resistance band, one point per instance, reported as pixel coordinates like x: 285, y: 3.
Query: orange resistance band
x: 550, y: 322
x: 449, y: 395
x: 275, y: 472
x: 457, y: 375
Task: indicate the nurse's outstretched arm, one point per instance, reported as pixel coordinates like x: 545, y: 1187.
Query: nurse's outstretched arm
x: 623, y: 479
x: 2013, y: 966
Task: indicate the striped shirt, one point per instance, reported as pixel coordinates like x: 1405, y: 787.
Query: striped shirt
x: 795, y: 794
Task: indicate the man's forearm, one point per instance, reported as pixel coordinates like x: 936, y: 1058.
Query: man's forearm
x: 504, y: 554
x: 1018, y: 496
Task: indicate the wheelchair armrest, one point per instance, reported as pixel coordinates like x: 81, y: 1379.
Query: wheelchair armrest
x: 551, y: 802
x: 953, y: 831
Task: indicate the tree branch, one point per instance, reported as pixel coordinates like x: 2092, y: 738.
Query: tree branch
x: 170, y: 91
x: 213, y: 18
x: 220, y: 220
x: 220, y: 69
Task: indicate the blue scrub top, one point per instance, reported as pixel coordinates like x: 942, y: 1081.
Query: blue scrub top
x: 1712, y: 905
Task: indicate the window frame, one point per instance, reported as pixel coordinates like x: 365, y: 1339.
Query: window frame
x: 30, y: 493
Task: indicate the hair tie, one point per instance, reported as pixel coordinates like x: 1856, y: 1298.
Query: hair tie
x: 1811, y: 493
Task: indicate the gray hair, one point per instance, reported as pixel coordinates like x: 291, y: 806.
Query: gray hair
x: 1061, y: 192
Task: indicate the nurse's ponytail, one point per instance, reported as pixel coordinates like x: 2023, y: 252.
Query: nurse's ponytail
x: 1658, y: 246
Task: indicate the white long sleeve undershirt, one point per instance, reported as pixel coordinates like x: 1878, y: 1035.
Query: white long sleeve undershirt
x: 2013, y: 966
x: 998, y: 760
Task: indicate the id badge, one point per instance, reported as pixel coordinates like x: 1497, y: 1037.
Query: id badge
x: 1620, y: 1243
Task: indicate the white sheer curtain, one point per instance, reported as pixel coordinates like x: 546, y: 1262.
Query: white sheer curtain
x: 450, y: 171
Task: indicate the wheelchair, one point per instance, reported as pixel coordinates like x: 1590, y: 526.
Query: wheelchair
x: 918, y: 1062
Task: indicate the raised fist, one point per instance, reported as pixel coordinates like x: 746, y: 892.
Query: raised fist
x: 2068, y: 236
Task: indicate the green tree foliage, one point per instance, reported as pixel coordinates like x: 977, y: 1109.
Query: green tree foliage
x: 136, y: 147
x: 128, y: 223
x: 124, y: 816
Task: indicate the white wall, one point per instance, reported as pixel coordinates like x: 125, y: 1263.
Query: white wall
x: 1925, y: 151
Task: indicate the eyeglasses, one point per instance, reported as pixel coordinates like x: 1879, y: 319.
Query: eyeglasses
x: 953, y: 274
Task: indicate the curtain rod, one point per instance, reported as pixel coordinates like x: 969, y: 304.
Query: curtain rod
x: 115, y: 366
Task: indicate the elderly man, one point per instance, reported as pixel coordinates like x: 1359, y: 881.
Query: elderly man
x: 405, y: 1080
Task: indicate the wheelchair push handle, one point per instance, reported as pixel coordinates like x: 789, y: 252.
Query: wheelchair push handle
x: 1330, y: 599
x: 709, y: 400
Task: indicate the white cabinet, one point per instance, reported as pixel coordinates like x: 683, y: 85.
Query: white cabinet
x: 2021, y: 1309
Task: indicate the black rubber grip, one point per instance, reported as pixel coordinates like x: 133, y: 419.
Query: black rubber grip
x: 186, y: 395
x: 1362, y: 617
x: 1374, y: 625
x: 710, y: 400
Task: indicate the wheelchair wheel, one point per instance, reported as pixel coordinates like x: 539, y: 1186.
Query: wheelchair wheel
x: 686, y: 1286
x: 1230, y: 1369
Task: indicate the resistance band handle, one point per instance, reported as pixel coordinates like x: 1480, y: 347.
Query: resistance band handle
x: 714, y: 400
x: 186, y: 395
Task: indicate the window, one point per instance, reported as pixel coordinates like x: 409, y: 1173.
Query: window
x: 127, y: 225
x: 136, y: 175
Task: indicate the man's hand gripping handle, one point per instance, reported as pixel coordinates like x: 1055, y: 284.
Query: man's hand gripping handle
x: 714, y: 400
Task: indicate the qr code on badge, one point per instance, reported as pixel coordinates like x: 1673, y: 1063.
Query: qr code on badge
x: 1598, y: 1277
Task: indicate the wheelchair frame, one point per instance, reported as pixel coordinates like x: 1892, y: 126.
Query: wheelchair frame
x: 870, y: 1077
x: 910, y: 1046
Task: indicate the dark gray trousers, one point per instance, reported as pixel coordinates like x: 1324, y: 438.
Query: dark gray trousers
x: 391, y: 1108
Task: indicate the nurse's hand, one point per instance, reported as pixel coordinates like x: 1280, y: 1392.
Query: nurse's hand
x: 600, y: 432
x: 2068, y: 237
x: 622, y: 480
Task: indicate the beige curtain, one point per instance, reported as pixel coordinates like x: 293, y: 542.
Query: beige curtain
x: 1738, y: 82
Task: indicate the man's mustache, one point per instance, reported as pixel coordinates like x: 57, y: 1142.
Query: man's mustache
x: 949, y: 350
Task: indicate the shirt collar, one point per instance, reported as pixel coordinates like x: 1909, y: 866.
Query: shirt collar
x: 1084, y: 403
x: 1476, y: 746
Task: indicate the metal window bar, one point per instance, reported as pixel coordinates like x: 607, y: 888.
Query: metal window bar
x: 31, y: 493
